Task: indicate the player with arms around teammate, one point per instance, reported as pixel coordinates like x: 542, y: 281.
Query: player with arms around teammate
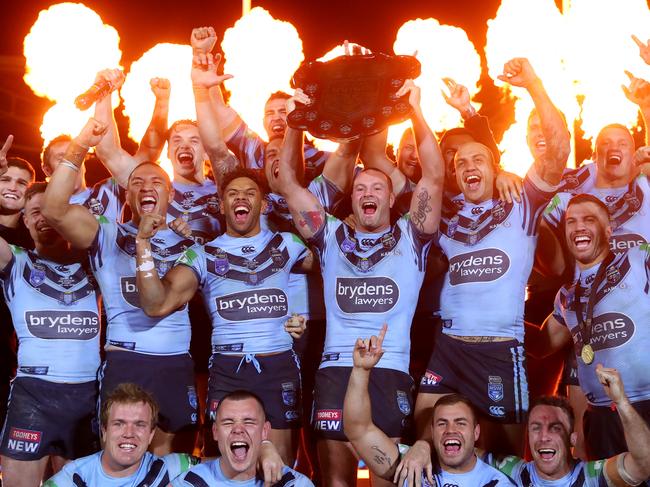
x: 150, y: 352
x: 362, y: 287
x: 55, y: 313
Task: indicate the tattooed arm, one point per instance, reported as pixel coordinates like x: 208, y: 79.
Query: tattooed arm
x: 376, y: 449
x: 426, y: 201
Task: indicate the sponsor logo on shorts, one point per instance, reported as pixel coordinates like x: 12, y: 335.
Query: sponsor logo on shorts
x: 251, y: 305
x: 328, y: 419
x: 366, y: 295
x: 330, y: 357
x: 228, y: 347
x: 70, y: 325
x: 495, y: 388
x: 609, y: 330
x: 291, y: 415
x: 403, y: 402
x: 130, y: 291
x: 481, y: 266
x: 23, y: 440
x: 212, y: 410
x: 622, y: 243
x: 430, y: 379
x: 289, y: 394
x: 34, y: 370
x: 497, y: 411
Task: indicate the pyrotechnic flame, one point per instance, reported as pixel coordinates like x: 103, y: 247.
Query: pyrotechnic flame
x: 171, y: 61
x: 598, y: 53
x: 262, y: 54
x: 65, y: 48
x: 533, y: 29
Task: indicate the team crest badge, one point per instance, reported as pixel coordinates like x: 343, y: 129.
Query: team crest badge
x: 403, y: 402
x: 348, y: 245
x: 495, y: 388
x: 276, y: 257
x: 613, y: 275
x: 472, y: 239
x: 162, y: 267
x: 498, y: 212
x: 388, y: 241
x: 452, y: 226
x: 36, y: 277
x: 252, y: 278
x: 212, y: 206
x: 633, y: 201
x: 571, y: 182
x: 289, y: 397
x: 363, y: 265
x: 67, y: 298
x: 221, y: 265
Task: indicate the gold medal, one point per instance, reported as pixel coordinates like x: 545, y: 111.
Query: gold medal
x: 587, y: 354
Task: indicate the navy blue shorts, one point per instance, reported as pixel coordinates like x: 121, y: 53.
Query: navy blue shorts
x: 491, y: 375
x: 274, y: 378
x: 391, y: 397
x: 169, y: 378
x: 49, y: 418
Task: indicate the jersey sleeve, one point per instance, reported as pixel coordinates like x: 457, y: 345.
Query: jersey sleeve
x: 194, y: 258
x: 558, y: 308
x: 296, y: 248
x: 536, y: 195
x: 179, y: 463
x: 106, y: 235
x: 327, y: 194
x: 64, y: 478
x: 511, y: 466
x: 107, y: 198
x: 247, y: 146
x: 320, y: 239
x: 420, y: 241
x: 314, y: 160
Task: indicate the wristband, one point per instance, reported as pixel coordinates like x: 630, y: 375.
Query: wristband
x: 70, y: 165
x: 76, y: 153
x: 469, y: 113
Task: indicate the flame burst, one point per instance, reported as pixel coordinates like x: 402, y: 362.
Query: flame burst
x: 65, y: 48
x: 521, y: 29
x: 599, y: 51
x: 262, y: 54
x: 170, y: 61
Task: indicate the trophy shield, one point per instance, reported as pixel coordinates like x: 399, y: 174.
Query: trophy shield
x: 352, y: 96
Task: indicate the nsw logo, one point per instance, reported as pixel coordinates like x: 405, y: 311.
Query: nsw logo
x: 481, y: 266
x: 69, y: 325
x: 252, y: 305
x: 366, y: 295
x: 328, y: 419
x: 608, y: 330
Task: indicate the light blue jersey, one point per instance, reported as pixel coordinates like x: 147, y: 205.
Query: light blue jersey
x: 198, y: 205
x: 482, y: 475
x: 490, y: 247
x: 370, y: 279
x: 583, y: 474
x: 305, y: 290
x: 209, y: 473
x: 112, y: 257
x: 105, y: 198
x: 629, y: 207
x: 620, y: 335
x: 244, y: 282
x: 54, y: 310
x: 153, y: 472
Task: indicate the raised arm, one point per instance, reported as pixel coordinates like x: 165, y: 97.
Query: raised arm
x: 373, y: 155
x: 154, y: 138
x: 426, y: 201
x: 339, y: 167
x: 204, y: 78
x: 636, y: 463
x: 307, y: 212
x: 519, y: 72
x: 74, y: 222
x: 159, y: 297
x: 638, y: 92
x: 5, y: 250
x: 550, y: 338
x: 109, y: 151
x: 372, y: 444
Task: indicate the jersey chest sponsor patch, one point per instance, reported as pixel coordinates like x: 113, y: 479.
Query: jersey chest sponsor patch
x: 70, y: 325
x: 622, y: 243
x: 480, y: 266
x: 608, y: 330
x: 252, y: 305
x: 366, y: 295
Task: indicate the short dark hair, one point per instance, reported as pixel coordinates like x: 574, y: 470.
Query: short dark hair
x: 175, y: 125
x: 128, y: 393
x: 45, y: 155
x: 613, y: 126
x: 34, y: 189
x: 455, y: 398
x: 455, y: 131
x: 555, y: 401
x: 23, y: 164
x: 278, y: 95
x: 241, y: 172
x: 240, y: 395
x: 388, y: 179
x: 587, y: 198
x: 149, y: 163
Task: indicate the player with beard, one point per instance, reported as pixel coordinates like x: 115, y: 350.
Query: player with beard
x: 608, y: 328
x: 151, y: 352
x: 243, y: 276
x: 355, y: 264
x: 490, y: 246
x: 128, y: 424
x: 55, y: 312
x: 247, y: 146
x: 240, y: 428
x: 551, y: 436
x: 454, y: 432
